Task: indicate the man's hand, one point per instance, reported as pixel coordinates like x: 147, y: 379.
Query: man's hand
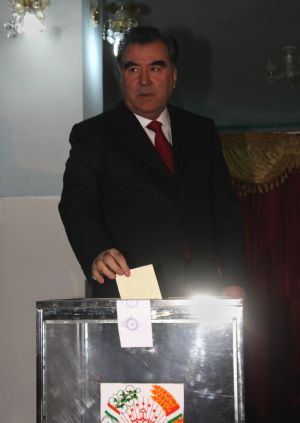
x: 233, y: 291
x: 109, y: 263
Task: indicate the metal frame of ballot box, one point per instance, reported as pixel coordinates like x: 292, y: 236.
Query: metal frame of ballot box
x: 196, y: 342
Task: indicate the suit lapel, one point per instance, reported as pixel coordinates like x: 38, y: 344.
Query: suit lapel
x: 179, y: 135
x: 132, y: 133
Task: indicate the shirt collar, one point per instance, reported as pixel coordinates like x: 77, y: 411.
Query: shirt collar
x: 164, y: 118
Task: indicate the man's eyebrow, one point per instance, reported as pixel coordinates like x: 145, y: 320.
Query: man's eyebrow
x: 161, y: 63
x: 129, y: 64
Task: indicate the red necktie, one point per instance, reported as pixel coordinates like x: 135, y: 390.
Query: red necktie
x: 165, y: 151
x: 162, y: 145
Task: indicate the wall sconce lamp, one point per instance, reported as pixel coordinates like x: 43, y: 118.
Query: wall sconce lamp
x: 26, y: 17
x: 291, y: 72
x: 123, y: 18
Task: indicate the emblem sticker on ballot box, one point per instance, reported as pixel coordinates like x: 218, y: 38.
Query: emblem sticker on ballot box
x: 142, y: 403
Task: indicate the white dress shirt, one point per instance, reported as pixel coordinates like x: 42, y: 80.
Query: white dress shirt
x: 164, y: 119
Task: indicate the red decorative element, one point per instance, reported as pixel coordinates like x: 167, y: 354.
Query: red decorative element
x: 162, y: 145
x: 162, y: 397
x: 113, y: 408
x: 272, y: 229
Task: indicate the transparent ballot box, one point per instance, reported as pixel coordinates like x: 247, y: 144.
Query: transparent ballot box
x: 193, y: 372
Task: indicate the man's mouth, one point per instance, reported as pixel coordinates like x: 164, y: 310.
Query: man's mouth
x: 145, y: 94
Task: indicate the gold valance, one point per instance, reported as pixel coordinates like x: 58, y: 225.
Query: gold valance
x: 260, y: 161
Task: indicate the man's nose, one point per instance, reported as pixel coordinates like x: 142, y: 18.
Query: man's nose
x: 145, y: 77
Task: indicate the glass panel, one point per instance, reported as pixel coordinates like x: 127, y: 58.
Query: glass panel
x: 83, y: 350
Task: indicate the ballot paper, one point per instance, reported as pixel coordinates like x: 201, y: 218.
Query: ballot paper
x: 140, y: 285
x: 134, y: 323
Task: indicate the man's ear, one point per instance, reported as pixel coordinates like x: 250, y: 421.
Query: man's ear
x: 118, y: 74
x: 174, y: 77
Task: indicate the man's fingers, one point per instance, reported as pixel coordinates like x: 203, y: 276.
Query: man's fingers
x: 97, y: 276
x: 122, y: 263
x: 107, y: 271
x: 109, y: 263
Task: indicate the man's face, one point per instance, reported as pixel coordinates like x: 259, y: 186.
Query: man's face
x: 148, y: 78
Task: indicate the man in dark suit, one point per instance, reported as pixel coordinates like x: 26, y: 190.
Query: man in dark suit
x: 125, y: 204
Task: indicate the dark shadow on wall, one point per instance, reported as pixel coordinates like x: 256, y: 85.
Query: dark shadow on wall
x: 16, y: 181
x: 194, y: 72
x: 111, y: 78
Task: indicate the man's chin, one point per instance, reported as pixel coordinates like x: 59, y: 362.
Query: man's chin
x: 148, y: 111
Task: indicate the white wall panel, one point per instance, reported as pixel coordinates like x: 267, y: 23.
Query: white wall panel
x: 36, y: 263
x: 41, y: 98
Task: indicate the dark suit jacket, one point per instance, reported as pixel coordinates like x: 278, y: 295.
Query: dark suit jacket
x: 118, y: 193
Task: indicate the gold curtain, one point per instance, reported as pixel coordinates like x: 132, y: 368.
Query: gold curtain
x: 259, y: 162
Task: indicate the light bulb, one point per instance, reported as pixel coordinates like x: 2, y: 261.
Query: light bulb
x: 31, y: 24
x: 271, y: 67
